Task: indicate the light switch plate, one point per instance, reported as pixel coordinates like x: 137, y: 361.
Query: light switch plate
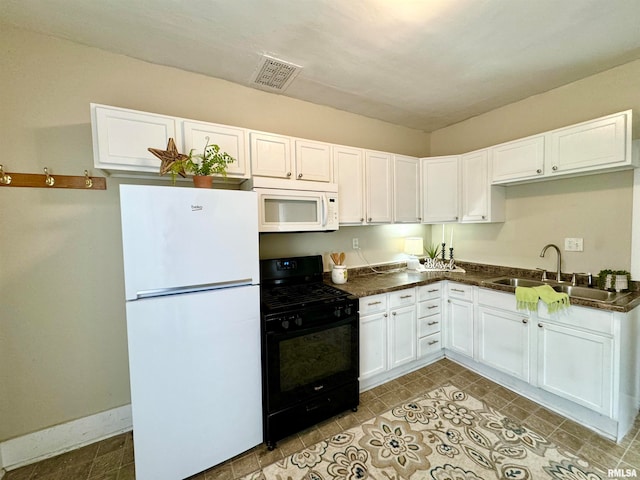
x: 573, y: 244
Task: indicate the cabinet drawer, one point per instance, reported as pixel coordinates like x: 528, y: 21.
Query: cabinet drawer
x: 373, y: 304
x: 580, y: 317
x: 429, y: 325
x: 430, y: 307
x: 402, y: 298
x: 461, y: 291
x: 429, y: 344
x: 428, y: 292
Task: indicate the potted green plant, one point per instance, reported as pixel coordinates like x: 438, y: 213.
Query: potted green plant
x: 432, y: 251
x: 202, y: 165
x: 210, y: 162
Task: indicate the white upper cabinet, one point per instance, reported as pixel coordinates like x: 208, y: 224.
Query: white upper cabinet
x: 348, y: 173
x: 517, y: 160
x: 280, y: 156
x: 440, y: 181
x: 231, y: 140
x: 481, y: 202
x: 605, y: 142
x: 271, y: 155
x: 121, y: 138
x: 406, y: 190
x: 379, y: 186
x: 313, y: 161
x: 595, y: 146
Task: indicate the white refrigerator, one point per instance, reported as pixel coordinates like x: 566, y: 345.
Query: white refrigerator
x: 193, y: 323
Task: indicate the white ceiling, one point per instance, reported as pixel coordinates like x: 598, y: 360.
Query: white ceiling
x: 424, y: 64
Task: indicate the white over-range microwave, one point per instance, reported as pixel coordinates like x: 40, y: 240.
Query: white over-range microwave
x: 295, y: 205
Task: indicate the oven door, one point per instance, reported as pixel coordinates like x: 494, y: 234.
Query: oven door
x: 303, y: 362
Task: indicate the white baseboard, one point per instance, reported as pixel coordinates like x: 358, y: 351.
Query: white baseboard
x: 36, y: 446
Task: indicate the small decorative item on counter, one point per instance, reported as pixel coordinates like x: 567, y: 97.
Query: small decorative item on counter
x: 339, y: 271
x: 617, y: 280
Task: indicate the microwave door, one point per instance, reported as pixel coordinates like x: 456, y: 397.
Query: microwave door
x: 287, y: 212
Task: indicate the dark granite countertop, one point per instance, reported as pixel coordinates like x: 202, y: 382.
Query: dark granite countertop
x: 363, y: 282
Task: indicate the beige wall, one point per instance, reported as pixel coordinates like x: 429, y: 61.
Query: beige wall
x: 63, y: 351
x: 596, y: 208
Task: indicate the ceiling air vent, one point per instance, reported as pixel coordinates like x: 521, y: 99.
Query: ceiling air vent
x: 274, y: 74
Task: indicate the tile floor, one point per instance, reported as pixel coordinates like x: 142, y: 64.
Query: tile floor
x: 112, y: 459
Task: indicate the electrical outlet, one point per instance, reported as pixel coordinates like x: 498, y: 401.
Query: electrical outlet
x: 573, y: 245
x: 356, y: 243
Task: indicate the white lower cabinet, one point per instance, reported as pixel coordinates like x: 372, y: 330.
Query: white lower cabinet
x: 392, y: 342
x: 578, y: 361
x: 402, y: 327
x: 504, y: 340
x: 373, y: 337
x: 460, y: 319
x: 576, y: 364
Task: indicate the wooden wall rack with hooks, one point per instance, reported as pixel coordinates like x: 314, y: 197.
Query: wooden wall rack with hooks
x: 47, y: 180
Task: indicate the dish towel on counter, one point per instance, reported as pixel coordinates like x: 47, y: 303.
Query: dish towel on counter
x: 527, y: 298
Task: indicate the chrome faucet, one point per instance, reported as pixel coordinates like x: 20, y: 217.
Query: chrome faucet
x: 558, y: 272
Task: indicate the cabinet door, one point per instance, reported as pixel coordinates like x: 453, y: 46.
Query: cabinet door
x: 406, y: 189
x: 373, y: 345
x: 590, y: 145
x: 460, y: 327
x: 270, y: 155
x: 379, y: 187
x: 229, y: 139
x: 121, y: 138
x: 517, y: 160
x: 503, y: 341
x: 475, y: 186
x: 348, y: 173
x: 440, y: 179
x: 576, y: 365
x: 313, y: 161
x: 402, y: 336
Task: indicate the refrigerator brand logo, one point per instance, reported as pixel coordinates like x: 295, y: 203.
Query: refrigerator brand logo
x: 196, y: 208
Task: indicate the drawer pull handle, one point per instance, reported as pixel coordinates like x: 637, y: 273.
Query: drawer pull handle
x: 432, y: 306
x: 457, y: 290
x: 406, y: 296
x: 432, y: 323
x: 433, y: 342
x: 525, y: 321
x: 374, y: 303
x: 540, y: 325
x: 431, y: 291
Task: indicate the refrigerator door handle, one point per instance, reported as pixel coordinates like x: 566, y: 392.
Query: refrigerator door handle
x: 192, y: 288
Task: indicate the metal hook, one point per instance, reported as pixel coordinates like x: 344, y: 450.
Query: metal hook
x: 87, y: 180
x: 50, y: 181
x: 5, y: 178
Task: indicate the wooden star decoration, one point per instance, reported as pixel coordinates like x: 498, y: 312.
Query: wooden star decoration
x: 168, y: 157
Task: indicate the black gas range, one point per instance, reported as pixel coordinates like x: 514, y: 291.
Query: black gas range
x: 310, y: 349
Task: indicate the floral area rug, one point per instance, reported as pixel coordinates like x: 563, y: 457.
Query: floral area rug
x: 445, y: 434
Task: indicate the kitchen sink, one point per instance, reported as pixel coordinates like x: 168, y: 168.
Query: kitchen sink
x: 516, y: 282
x: 590, y: 293
x: 573, y: 291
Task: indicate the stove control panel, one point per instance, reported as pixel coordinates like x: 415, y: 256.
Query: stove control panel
x: 311, y: 317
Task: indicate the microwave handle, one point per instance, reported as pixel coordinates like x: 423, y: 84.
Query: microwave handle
x: 325, y: 209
